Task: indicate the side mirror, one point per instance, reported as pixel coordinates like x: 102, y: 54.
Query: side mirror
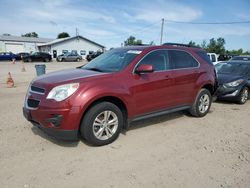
x: 144, y: 69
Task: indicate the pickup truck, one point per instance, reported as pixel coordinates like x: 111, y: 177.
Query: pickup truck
x: 213, y: 57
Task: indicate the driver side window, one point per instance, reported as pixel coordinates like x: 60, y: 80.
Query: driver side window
x: 158, y: 59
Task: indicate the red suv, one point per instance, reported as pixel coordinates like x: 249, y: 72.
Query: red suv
x: 99, y: 99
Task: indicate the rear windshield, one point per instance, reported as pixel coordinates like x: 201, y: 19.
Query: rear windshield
x: 204, y: 56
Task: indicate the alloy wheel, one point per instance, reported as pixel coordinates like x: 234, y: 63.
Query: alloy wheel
x: 204, y: 103
x: 244, y: 95
x: 105, y: 125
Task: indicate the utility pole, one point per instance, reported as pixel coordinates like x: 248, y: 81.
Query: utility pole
x: 77, y: 32
x: 162, y: 24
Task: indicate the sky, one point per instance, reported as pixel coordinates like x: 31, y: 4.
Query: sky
x: 111, y: 22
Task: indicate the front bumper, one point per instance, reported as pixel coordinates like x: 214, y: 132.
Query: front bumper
x: 226, y: 93
x: 52, y: 125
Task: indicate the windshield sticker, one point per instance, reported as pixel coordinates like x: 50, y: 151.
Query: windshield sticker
x: 134, y: 51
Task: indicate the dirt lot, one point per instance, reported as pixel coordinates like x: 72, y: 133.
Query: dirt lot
x: 170, y: 151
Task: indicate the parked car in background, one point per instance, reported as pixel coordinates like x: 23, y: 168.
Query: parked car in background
x: 8, y: 56
x: 93, y: 55
x: 122, y: 85
x: 224, y: 57
x: 234, y: 81
x: 21, y: 55
x: 37, y: 56
x: 70, y: 56
x: 240, y: 58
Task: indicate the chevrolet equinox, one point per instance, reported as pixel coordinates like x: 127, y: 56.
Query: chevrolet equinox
x: 96, y: 101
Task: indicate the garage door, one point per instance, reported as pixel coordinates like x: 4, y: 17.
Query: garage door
x: 14, y: 48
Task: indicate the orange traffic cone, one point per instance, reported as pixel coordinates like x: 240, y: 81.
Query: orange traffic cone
x: 23, y: 68
x: 10, y: 81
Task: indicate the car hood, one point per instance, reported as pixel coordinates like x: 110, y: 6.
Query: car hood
x: 226, y: 78
x: 65, y: 76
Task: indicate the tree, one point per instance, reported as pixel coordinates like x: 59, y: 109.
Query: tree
x: 193, y: 44
x: 32, y: 34
x: 152, y: 43
x: 204, y: 44
x: 62, y: 35
x: 131, y: 41
x: 216, y: 46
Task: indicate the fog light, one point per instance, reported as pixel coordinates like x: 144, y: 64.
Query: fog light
x: 232, y: 94
x: 55, y: 120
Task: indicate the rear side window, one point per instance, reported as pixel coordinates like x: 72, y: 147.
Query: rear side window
x: 203, y: 55
x: 181, y: 59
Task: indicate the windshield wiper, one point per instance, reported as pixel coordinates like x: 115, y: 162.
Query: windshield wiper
x: 94, y: 69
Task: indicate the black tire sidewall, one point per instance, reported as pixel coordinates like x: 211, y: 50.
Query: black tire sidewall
x: 87, y: 123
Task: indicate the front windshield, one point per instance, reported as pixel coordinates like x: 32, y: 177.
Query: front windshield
x: 112, y: 61
x: 233, y: 68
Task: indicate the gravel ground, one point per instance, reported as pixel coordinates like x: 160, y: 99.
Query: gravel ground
x: 175, y: 150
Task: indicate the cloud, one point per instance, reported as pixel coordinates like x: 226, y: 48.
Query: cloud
x: 54, y: 3
x: 171, y: 10
x: 53, y: 23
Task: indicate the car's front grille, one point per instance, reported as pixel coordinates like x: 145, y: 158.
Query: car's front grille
x: 37, y: 90
x: 32, y: 103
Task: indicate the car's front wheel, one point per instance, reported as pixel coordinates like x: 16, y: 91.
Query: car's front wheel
x: 102, y: 124
x: 243, y: 97
x: 202, y: 103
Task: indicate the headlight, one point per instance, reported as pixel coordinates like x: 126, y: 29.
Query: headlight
x: 59, y: 93
x: 234, y: 83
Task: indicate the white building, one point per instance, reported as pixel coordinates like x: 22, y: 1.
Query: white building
x: 77, y: 44
x: 17, y: 44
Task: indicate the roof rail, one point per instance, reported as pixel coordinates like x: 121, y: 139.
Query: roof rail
x: 179, y: 44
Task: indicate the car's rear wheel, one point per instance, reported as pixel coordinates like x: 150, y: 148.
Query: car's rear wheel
x: 243, y: 97
x: 46, y: 59
x: 102, y: 124
x: 29, y: 60
x: 202, y: 103
x: 77, y: 59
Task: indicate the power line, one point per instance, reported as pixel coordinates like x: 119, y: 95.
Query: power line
x: 209, y: 23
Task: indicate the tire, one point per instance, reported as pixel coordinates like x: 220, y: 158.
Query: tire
x: 102, y: 133
x: 46, y: 60
x: 243, y: 96
x: 29, y: 60
x: 202, y: 103
x: 77, y: 59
